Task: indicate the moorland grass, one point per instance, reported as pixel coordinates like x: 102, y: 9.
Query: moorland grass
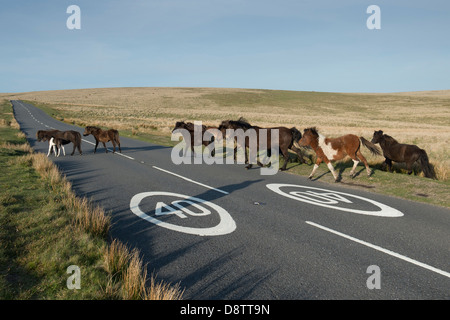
x: 149, y: 114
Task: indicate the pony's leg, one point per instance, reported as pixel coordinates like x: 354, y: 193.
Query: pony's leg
x: 286, y: 159
x: 409, y: 167
x: 50, y: 147
x: 388, y: 162
x: 316, y: 165
x: 363, y: 159
x: 330, y: 166
x: 64, y: 151
x: 355, y: 164
x: 96, y: 145
x: 104, y: 145
x: 114, y: 146
x: 299, y: 154
x: 249, y: 165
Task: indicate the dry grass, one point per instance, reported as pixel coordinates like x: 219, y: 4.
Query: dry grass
x: 127, y: 267
x: 87, y: 217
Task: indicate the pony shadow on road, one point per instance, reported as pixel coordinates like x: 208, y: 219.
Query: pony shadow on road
x: 340, y: 168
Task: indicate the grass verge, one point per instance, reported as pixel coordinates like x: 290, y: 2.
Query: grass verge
x: 45, y: 228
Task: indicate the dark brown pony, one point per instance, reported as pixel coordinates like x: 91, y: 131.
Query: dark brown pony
x: 399, y: 152
x: 287, y: 138
x: 328, y: 150
x: 103, y: 136
x: 61, y: 138
x: 195, y: 141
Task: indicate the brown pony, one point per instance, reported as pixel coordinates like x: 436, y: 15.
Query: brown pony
x: 190, y: 127
x: 287, y: 139
x: 61, y: 138
x: 329, y: 150
x: 103, y: 137
x: 399, y: 152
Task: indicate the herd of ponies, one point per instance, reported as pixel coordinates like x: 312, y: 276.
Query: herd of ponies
x: 326, y: 149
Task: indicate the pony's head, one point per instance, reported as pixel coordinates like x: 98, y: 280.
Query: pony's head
x: 377, y: 136
x: 179, y: 125
x: 42, y: 135
x: 88, y: 130
x: 310, y: 136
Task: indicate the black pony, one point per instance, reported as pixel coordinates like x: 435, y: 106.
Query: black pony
x: 287, y: 138
x: 399, y: 152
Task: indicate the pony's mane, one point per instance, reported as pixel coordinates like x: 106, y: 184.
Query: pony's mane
x: 241, y: 122
x: 389, y: 139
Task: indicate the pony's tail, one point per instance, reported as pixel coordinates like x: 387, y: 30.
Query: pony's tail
x: 427, y: 168
x: 116, y: 135
x: 369, y: 145
x: 296, y: 136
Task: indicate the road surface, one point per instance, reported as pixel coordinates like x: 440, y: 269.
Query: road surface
x: 224, y: 232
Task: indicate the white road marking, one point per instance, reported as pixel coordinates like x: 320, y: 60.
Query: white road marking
x: 225, y: 226
x: 310, y: 197
x: 131, y: 158
x: 389, y: 252
x: 190, y: 180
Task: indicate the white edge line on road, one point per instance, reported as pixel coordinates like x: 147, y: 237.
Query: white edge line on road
x: 190, y: 180
x: 389, y: 252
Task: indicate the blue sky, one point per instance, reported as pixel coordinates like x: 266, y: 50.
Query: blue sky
x: 285, y: 44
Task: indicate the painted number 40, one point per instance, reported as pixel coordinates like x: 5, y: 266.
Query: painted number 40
x: 178, y: 209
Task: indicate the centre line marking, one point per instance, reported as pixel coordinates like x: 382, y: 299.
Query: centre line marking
x: 389, y: 252
x: 119, y: 154
x: 157, y: 168
x: 190, y: 180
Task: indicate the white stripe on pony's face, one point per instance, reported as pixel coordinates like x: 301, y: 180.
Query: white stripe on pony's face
x: 326, y: 148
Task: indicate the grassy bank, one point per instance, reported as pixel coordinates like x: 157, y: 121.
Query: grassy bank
x: 45, y: 229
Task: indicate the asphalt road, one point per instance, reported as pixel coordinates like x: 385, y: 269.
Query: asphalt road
x: 223, y: 232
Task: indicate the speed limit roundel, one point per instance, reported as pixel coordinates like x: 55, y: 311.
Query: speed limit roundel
x: 183, y: 207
